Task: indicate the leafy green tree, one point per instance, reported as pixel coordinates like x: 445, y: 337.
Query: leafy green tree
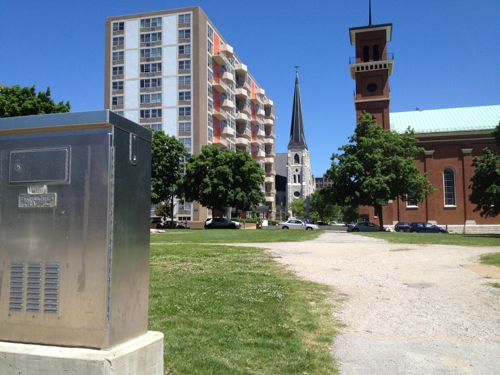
x: 298, y: 208
x: 377, y: 166
x: 485, y: 183
x: 166, y: 171
x: 223, y: 178
x: 248, y: 178
x: 24, y: 101
x: 322, y: 207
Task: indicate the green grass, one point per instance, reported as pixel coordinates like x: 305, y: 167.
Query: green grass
x: 491, y: 258
x: 436, y: 238
x: 233, y: 236
x: 494, y: 285
x: 228, y: 310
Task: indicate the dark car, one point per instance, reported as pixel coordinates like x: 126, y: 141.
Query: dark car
x: 364, y: 227
x: 402, y: 226
x: 426, y: 227
x: 221, y: 223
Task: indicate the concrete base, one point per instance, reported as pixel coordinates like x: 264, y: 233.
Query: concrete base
x: 140, y: 356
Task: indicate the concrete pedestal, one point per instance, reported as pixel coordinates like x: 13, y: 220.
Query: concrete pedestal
x: 140, y: 356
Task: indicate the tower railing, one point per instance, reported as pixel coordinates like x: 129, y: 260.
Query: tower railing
x: 359, y: 59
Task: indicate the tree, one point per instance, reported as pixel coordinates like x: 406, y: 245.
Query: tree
x: 24, y: 101
x: 322, y: 207
x: 298, y: 208
x: 485, y: 183
x: 248, y: 179
x: 166, y: 170
x: 377, y: 166
x: 223, y: 178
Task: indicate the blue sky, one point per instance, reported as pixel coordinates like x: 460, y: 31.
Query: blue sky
x: 447, y: 54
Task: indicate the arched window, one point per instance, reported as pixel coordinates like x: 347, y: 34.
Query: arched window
x: 366, y: 54
x: 449, y: 187
x: 298, y: 178
x: 376, y: 55
x: 294, y: 179
x: 296, y: 159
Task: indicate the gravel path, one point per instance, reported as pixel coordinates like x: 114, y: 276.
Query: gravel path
x: 408, y: 309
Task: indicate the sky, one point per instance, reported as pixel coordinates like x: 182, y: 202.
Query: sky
x: 446, y: 54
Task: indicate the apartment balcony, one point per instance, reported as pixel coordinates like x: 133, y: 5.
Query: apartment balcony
x: 357, y: 65
x: 228, y: 131
x: 227, y: 49
x: 269, y: 160
x: 268, y: 121
x: 269, y: 103
x: 260, y: 133
x: 244, y: 133
x: 228, y: 104
x: 260, y: 155
x: 117, y: 92
x: 221, y: 142
x: 241, y: 117
x: 118, y: 62
x: 155, y: 120
x: 154, y: 43
x: 240, y: 141
x: 118, y: 47
x: 182, y: 86
x: 241, y: 93
x: 246, y: 110
x: 228, y: 77
x: 261, y: 112
x: 269, y: 133
x: 257, y: 121
x: 219, y: 114
x: 152, y: 89
x: 117, y: 76
x: 150, y: 74
x: 150, y: 59
x: 220, y: 86
x: 220, y: 59
x: 270, y: 198
x: 268, y: 141
x: 117, y: 107
x: 260, y: 92
x: 269, y: 179
x: 241, y: 68
x: 271, y: 173
x: 118, y: 32
x: 271, y: 154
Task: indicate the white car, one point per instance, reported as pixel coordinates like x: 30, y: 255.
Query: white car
x: 297, y: 224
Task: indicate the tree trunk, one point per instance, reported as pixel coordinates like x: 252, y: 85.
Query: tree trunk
x: 380, y: 215
x: 172, y: 212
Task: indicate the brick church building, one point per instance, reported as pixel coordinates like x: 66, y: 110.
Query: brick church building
x: 451, y: 137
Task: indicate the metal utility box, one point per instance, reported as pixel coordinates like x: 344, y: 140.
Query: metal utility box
x: 74, y: 229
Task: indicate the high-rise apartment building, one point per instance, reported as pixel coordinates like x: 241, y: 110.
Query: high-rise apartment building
x: 172, y: 70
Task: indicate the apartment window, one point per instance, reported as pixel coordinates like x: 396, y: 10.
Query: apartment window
x: 151, y: 37
x: 117, y: 100
x: 150, y: 113
x: 118, y: 41
x: 185, y: 65
x: 185, y: 34
x: 118, y: 26
x: 210, y: 64
x: 185, y: 127
x: 411, y: 201
x: 118, y: 56
x: 153, y: 127
x: 151, y: 52
x: 118, y: 85
x: 185, y: 111
x: 187, y: 143
x: 151, y: 68
x: 151, y: 22
x: 210, y: 32
x: 210, y: 120
x: 210, y: 91
x: 185, y: 19
x: 210, y: 134
x: 210, y: 105
x: 117, y: 70
x: 185, y: 49
x: 150, y: 98
x: 210, y: 76
x: 210, y: 48
x: 185, y: 95
x: 184, y: 80
x: 449, y: 187
x: 152, y: 82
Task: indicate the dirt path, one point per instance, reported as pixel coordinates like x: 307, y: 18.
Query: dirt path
x: 409, y: 309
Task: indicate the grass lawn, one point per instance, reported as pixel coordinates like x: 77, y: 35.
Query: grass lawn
x: 491, y: 258
x: 233, y: 236
x: 437, y: 238
x: 228, y: 310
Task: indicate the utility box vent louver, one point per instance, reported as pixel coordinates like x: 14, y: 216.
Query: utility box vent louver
x: 34, y: 287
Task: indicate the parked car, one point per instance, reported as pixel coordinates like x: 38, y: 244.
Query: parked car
x: 297, y: 224
x: 364, y: 227
x: 221, y: 223
x: 402, y: 226
x: 426, y: 227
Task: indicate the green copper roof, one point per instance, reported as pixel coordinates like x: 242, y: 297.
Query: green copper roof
x: 447, y: 120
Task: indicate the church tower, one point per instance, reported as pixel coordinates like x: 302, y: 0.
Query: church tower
x: 300, y: 182
x: 371, y: 69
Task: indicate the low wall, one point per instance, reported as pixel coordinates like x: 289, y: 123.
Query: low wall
x: 473, y: 229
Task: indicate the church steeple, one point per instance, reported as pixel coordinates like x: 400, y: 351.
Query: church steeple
x: 297, y: 136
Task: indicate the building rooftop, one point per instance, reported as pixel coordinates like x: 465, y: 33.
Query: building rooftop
x: 447, y: 120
